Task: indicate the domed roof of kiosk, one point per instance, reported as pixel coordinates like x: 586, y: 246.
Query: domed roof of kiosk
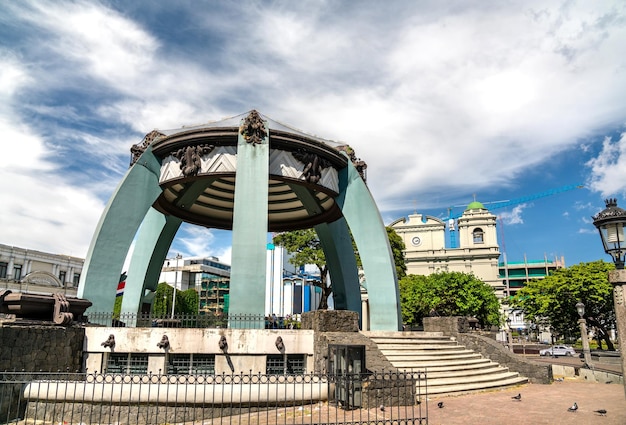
x: 235, y: 122
x: 207, y: 198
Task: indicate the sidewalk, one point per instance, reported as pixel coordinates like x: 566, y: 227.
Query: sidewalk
x: 540, y: 404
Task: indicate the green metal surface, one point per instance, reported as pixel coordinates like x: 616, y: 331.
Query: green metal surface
x: 339, y: 252
x: 370, y: 236
x: 115, y: 232
x: 248, y: 268
x: 151, y: 246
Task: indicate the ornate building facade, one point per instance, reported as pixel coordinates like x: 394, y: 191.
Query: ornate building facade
x: 37, y: 272
x: 478, y: 251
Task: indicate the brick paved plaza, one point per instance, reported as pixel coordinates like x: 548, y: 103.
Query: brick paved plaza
x: 540, y: 404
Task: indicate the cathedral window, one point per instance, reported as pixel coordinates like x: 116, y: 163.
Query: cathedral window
x: 479, y: 236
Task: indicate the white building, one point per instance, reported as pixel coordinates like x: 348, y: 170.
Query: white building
x: 37, y: 272
x: 289, y: 291
x: 477, y: 252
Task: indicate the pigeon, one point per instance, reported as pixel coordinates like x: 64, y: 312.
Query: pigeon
x: 602, y: 412
x: 573, y: 408
x: 440, y: 405
x: 517, y: 397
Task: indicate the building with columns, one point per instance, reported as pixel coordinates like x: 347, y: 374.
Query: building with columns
x: 37, y: 272
x: 477, y: 252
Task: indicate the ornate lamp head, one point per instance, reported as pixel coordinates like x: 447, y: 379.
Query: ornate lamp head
x: 610, y: 223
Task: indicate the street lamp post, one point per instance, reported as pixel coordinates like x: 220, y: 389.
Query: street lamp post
x: 580, y: 308
x: 509, y: 335
x: 610, y: 223
x: 178, y: 257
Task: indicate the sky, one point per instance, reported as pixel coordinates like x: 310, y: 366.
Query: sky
x: 446, y: 101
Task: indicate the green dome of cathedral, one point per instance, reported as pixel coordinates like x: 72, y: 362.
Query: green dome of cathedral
x: 475, y: 206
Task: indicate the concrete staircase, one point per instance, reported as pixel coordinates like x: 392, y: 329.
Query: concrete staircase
x: 450, y: 367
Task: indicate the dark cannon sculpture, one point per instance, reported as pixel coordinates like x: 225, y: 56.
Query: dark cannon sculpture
x: 57, y: 308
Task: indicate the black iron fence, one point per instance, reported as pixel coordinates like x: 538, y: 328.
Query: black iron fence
x: 95, y: 398
x: 241, y: 321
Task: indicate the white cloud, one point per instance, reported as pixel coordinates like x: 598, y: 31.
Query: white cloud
x: 608, y: 169
x: 438, y: 101
x: 514, y: 216
x: 40, y: 209
x: 110, y: 46
x: 199, y: 241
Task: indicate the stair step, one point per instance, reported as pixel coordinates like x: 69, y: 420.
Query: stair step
x: 465, y: 372
x: 400, y: 335
x: 492, y: 377
x: 411, y: 341
x: 484, y: 364
x: 420, y: 347
x: 449, y: 367
x: 426, y: 360
x: 477, y: 386
x: 419, y: 355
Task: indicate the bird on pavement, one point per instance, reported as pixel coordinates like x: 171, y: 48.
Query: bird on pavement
x: 602, y: 412
x: 517, y: 397
x: 573, y: 408
x: 440, y: 405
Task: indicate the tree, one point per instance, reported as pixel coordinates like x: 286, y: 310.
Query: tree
x: 552, y: 300
x: 448, y: 294
x: 187, y: 301
x: 397, y: 250
x: 307, y: 249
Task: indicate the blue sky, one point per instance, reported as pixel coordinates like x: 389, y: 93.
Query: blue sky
x: 444, y: 101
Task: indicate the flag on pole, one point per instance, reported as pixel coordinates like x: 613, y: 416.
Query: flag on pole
x: 121, y: 284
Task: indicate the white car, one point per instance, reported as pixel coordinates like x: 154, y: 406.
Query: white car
x: 558, y: 350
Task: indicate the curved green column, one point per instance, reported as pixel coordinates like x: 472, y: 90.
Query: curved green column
x: 370, y: 236
x: 153, y: 241
x: 341, y: 262
x: 116, y: 229
x: 339, y: 253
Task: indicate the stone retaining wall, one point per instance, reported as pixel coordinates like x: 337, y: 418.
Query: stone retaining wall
x: 31, y: 347
x: 536, y: 372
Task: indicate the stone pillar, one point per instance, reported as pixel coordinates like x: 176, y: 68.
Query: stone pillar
x: 248, y: 268
x: 618, y: 279
x: 584, y: 337
x: 331, y: 321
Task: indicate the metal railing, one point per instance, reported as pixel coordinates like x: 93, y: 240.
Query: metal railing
x: 143, y: 320
x: 246, y: 398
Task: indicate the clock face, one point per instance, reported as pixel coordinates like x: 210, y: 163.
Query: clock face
x: 416, y: 241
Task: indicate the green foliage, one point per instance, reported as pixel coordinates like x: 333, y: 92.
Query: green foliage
x: 552, y: 300
x: 304, y: 245
x: 397, y: 249
x: 306, y: 248
x: 187, y: 302
x: 448, y: 294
